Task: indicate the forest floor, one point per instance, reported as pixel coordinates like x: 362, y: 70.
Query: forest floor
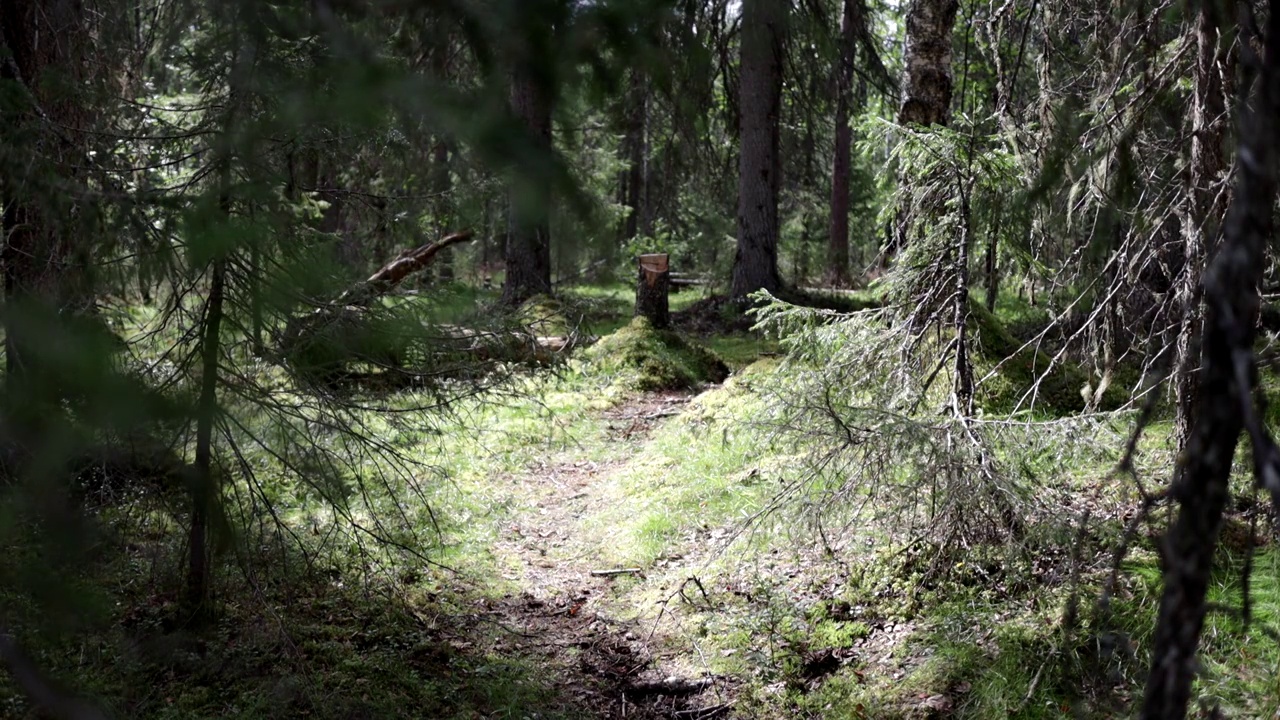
x: 563, y: 613
x: 583, y: 550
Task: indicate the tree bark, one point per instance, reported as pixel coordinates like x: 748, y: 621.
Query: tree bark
x: 841, y: 165
x: 1208, y: 133
x: 441, y: 172
x: 651, y: 291
x: 45, y: 261
x: 528, y: 246
x: 203, y: 490
x: 1227, y: 375
x: 927, y: 85
x: 442, y: 187
x: 635, y: 178
x: 764, y: 30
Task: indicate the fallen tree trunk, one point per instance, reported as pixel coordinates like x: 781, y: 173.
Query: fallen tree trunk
x: 353, y: 329
x: 324, y: 340
x: 510, y: 346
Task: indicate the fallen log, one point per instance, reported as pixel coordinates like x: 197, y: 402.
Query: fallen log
x: 322, y: 341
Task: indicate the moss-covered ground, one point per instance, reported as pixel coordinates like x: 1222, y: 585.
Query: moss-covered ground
x: 615, y: 521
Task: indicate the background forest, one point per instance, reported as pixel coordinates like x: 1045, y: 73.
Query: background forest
x: 332, y: 387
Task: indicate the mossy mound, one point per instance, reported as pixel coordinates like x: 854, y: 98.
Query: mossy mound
x: 640, y: 357
x: 546, y: 316
x: 1019, y: 368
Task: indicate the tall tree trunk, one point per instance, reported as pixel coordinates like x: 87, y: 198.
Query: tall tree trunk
x: 841, y: 165
x: 927, y: 82
x: 1208, y: 132
x: 635, y: 149
x: 926, y: 90
x: 1227, y: 375
x: 764, y: 30
x: 203, y: 491
x: 442, y: 187
x: 441, y: 172
x: 528, y: 247
x: 45, y: 261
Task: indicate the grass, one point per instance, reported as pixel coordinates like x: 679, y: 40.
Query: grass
x: 349, y: 631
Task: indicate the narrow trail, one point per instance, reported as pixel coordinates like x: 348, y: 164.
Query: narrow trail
x: 604, y: 663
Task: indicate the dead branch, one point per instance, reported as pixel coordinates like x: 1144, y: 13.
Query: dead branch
x: 394, y: 272
x: 672, y: 686
x: 616, y: 571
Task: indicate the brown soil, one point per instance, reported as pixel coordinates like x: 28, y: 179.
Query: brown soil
x: 610, y: 667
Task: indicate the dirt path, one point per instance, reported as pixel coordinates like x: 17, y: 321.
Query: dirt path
x: 606, y: 664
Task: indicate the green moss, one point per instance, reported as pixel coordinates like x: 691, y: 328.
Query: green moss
x: 1019, y: 368
x: 638, y: 357
x: 545, y: 316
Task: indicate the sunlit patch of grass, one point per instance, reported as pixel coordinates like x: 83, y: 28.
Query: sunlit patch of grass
x: 740, y: 351
x: 1240, y: 662
x: 695, y: 473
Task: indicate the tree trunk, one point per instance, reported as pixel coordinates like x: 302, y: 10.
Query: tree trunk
x: 992, y: 270
x: 927, y: 84
x: 442, y: 187
x: 651, y: 291
x: 1227, y: 375
x: 203, y: 491
x: 45, y: 262
x: 1198, y: 227
x: 635, y: 149
x: 441, y: 172
x: 764, y: 29
x: 528, y: 246
x: 841, y: 165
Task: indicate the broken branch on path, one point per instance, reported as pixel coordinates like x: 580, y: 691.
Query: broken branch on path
x: 705, y: 713
x: 671, y: 686
x: 617, y: 571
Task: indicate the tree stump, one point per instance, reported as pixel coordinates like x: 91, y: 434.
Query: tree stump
x: 651, y: 292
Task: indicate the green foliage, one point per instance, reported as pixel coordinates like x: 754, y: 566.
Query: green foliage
x: 1016, y: 376
x: 639, y: 357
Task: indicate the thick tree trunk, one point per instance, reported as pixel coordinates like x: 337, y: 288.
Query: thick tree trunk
x: 927, y: 84
x: 1208, y: 133
x: 45, y: 262
x: 651, y: 291
x: 764, y: 29
x: 926, y: 91
x: 841, y: 165
x: 528, y: 246
x: 1227, y: 374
